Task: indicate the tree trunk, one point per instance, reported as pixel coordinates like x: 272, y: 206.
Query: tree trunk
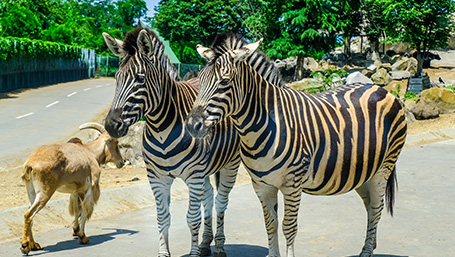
x: 419, y: 64
x: 375, y: 49
x: 347, y: 46
x: 299, y: 69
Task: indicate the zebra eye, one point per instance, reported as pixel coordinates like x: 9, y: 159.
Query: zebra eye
x: 224, y: 82
x: 140, y: 79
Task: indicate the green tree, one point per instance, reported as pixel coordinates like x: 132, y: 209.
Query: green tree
x: 351, y: 15
x: 187, y: 23
x: 308, y: 28
x: 376, y: 23
x: 424, y: 25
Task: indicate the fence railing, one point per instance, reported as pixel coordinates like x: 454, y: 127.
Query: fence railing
x: 21, y: 73
x: 28, y: 73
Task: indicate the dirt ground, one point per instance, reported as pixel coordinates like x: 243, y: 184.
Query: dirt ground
x: 14, y: 192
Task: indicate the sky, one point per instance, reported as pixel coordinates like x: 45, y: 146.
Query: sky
x: 150, y: 5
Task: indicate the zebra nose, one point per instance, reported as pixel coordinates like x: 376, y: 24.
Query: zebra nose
x: 114, y: 124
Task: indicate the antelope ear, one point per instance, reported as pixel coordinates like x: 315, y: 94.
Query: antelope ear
x: 114, y: 45
x: 205, y: 52
x: 246, y: 51
x: 144, y: 43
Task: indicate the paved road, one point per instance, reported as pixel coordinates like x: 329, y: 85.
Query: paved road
x: 423, y: 224
x: 50, y: 114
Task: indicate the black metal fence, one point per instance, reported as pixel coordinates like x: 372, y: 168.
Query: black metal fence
x: 30, y: 73
x: 22, y: 73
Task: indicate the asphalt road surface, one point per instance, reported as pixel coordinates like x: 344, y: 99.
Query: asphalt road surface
x: 423, y: 224
x: 49, y: 114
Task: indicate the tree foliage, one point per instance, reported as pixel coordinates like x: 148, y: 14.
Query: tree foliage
x: 73, y: 22
x: 188, y: 23
x: 424, y: 25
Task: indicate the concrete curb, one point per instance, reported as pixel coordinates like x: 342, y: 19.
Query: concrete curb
x: 117, y: 201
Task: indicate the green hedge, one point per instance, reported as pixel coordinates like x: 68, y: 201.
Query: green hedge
x: 11, y: 47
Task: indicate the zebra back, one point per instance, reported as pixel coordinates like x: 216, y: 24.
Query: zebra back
x: 230, y: 41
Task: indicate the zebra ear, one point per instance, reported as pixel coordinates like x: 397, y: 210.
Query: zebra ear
x: 205, y: 52
x: 145, y: 43
x: 114, y: 45
x: 246, y: 51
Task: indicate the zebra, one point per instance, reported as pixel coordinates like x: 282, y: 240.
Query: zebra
x: 321, y: 144
x: 148, y: 86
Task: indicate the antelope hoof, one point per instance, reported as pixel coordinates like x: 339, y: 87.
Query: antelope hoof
x: 25, y: 249
x: 83, y: 240
x: 75, y: 231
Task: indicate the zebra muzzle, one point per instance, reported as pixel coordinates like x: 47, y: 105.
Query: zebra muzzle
x: 197, y: 124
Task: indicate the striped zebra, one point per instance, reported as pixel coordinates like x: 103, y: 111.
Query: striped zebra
x: 148, y: 86
x: 321, y: 144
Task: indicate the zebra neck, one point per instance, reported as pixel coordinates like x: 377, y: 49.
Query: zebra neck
x: 172, y: 108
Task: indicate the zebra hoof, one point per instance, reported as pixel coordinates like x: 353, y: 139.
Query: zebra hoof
x: 220, y: 254
x: 205, y: 251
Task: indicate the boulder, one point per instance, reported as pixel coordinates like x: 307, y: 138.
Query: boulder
x: 287, y: 68
x: 412, y: 66
x: 386, y: 66
x: 423, y: 110
x: 400, y: 74
x: 367, y: 73
x: 357, y: 77
x: 310, y: 64
x: 442, y: 98
x: 306, y: 84
x: 381, y: 77
x: 131, y: 144
x: 400, y: 64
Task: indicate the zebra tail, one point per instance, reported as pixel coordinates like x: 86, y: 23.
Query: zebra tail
x: 390, y: 191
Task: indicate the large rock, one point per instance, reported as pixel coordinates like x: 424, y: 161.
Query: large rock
x: 131, y: 144
x: 442, y: 98
x: 423, y: 110
x: 400, y: 74
x: 400, y: 64
x: 307, y: 84
x: 357, y: 77
x: 310, y: 64
x: 381, y: 77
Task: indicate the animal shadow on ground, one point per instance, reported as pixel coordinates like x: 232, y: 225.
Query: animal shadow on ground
x: 73, y: 243
x: 383, y: 255
x: 243, y: 250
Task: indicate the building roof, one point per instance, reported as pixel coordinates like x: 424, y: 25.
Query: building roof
x: 167, y: 48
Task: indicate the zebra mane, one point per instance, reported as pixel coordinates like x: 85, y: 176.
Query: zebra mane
x: 230, y: 41
x: 130, y: 47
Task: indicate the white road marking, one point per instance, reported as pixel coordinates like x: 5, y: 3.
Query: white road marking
x: 25, y: 115
x: 70, y: 95
x: 87, y: 89
x: 99, y: 86
x: 54, y: 103
x: 107, y: 84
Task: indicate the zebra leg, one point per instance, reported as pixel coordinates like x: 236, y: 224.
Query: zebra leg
x: 225, y: 184
x: 268, y: 196
x: 207, y: 201
x: 372, y: 194
x: 193, y: 216
x: 161, y: 187
x: 291, y: 210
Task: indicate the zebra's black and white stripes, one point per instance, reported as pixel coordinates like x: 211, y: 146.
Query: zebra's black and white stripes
x: 324, y: 144
x: 148, y: 86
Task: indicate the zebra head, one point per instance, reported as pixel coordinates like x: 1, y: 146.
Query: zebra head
x: 221, y: 92
x: 136, y: 79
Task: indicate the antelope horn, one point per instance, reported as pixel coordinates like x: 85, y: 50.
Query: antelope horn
x: 93, y: 125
